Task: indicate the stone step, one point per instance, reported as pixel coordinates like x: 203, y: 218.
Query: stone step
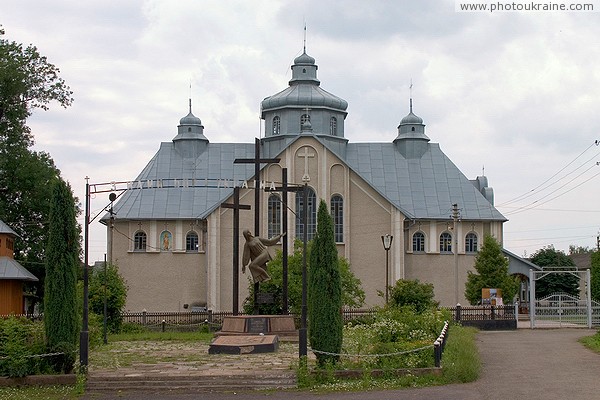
x: 190, y: 383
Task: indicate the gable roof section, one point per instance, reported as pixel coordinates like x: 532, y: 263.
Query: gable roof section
x: 185, y: 202
x: 6, y: 229
x: 422, y: 188
x: 11, y: 269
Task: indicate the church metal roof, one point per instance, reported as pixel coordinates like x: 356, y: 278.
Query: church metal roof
x: 421, y: 188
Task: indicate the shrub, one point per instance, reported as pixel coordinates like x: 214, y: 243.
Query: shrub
x: 20, y: 338
x: 412, y: 293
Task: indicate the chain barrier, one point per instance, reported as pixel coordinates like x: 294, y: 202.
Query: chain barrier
x: 373, y: 355
x: 35, y: 356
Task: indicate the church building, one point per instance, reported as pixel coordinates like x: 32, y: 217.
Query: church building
x: 172, y: 236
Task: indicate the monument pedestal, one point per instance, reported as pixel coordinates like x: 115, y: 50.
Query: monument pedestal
x: 280, y: 325
x: 244, y: 344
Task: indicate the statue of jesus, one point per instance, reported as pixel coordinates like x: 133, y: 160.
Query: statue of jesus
x: 256, y: 255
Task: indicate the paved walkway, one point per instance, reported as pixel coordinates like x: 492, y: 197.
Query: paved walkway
x: 528, y: 364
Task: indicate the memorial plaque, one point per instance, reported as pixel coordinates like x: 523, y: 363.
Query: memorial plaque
x: 244, y: 344
x: 257, y: 325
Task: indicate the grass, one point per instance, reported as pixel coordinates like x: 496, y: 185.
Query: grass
x: 592, y: 342
x: 62, y: 392
x: 460, y: 364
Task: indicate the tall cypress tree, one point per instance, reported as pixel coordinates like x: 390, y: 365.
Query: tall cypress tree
x: 62, y: 259
x: 324, y: 291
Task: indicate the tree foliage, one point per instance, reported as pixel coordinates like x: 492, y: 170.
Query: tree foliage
x: 62, y: 261
x: 27, y: 82
x: 325, y: 291
x: 116, y: 295
x: 551, y: 259
x: 595, y: 275
x: 353, y: 296
x: 412, y: 293
x: 491, y: 272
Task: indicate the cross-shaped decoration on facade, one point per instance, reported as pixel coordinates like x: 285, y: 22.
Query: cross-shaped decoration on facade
x: 307, y: 154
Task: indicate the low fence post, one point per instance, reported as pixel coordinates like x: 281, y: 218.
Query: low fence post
x: 437, y: 354
x: 164, y: 323
x: 457, y: 316
x: 144, y: 316
x: 493, y: 313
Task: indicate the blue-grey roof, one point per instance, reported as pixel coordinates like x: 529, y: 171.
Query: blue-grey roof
x: 181, y: 202
x: 11, y: 269
x: 6, y: 229
x: 421, y: 188
x: 519, y: 265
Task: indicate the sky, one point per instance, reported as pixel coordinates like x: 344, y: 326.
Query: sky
x: 511, y: 95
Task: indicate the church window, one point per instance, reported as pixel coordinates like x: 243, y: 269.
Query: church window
x: 471, y: 243
x: 274, y: 215
x: 276, y: 125
x: 311, y: 217
x: 304, y: 119
x: 337, y: 213
x: 189, y: 129
x: 139, y: 241
x: 333, y: 126
x: 418, y: 242
x: 191, y: 242
x: 412, y: 129
x: 445, y: 243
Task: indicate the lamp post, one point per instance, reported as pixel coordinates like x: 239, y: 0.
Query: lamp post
x: 387, y: 245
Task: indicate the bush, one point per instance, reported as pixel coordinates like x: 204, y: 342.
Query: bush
x: 394, y: 330
x: 412, y: 293
x: 19, y: 339
x: 110, y: 283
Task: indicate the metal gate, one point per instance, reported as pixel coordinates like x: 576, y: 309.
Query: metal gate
x: 565, y: 311
x: 561, y: 309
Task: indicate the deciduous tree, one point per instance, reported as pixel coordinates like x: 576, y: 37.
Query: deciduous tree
x: 491, y: 272
x: 551, y: 259
x: 27, y: 82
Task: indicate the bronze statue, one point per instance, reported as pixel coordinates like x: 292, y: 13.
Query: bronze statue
x: 256, y: 255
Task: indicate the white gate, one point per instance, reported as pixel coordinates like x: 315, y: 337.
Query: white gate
x: 561, y: 309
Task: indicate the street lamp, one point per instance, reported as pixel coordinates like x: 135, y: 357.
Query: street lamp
x: 387, y: 245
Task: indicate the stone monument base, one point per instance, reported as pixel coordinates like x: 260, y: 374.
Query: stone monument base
x: 280, y: 325
x: 248, y: 344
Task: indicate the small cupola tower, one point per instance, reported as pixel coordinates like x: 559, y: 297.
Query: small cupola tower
x: 190, y: 141
x: 411, y: 140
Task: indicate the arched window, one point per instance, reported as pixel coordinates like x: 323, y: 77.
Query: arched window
x: 419, y: 242
x: 276, y: 125
x: 191, y: 242
x: 445, y: 243
x: 304, y: 119
x: 471, y: 243
x: 311, y: 217
x: 337, y: 213
x: 139, y: 241
x: 333, y: 126
x: 274, y: 215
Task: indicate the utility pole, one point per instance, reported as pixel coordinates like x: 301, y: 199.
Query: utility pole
x: 455, y: 217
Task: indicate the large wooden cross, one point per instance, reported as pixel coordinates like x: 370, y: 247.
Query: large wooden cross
x: 236, y: 206
x: 306, y: 155
x: 257, y: 161
x: 284, y: 189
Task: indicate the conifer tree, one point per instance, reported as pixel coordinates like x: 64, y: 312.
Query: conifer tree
x: 492, y: 272
x: 324, y: 292
x: 595, y: 275
x: 62, y: 259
